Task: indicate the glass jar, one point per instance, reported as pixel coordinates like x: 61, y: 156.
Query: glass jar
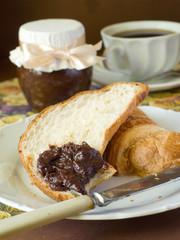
x: 54, y: 61
x: 43, y: 89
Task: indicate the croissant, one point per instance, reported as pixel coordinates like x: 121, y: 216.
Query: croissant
x: 141, y: 147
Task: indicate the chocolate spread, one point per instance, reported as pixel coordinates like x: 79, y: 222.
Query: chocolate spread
x: 70, y: 167
x: 43, y: 89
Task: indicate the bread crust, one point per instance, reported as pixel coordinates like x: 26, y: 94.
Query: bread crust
x: 114, y: 127
x: 29, y: 162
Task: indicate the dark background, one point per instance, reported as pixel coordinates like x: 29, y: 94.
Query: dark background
x: 94, y: 14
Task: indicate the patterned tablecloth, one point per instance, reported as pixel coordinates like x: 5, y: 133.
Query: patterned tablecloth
x: 13, y: 106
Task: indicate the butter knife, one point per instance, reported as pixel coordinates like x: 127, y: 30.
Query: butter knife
x: 57, y: 211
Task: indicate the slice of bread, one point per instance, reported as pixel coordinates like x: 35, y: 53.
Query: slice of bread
x: 91, y: 116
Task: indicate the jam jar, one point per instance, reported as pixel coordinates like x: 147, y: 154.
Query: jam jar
x: 42, y: 89
x: 53, y: 61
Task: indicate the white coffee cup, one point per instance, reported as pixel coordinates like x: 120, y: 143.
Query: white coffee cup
x: 141, y: 57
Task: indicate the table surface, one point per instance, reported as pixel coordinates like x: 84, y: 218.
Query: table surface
x: 159, y: 226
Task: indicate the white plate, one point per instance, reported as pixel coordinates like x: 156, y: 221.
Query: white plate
x: 104, y: 77
x: 17, y: 191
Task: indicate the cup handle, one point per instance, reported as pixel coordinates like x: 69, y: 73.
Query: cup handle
x: 108, y: 63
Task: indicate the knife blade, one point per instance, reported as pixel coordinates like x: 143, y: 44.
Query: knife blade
x: 57, y: 211
x: 137, y: 186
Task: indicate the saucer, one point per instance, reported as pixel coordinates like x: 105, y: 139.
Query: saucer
x: 104, y: 77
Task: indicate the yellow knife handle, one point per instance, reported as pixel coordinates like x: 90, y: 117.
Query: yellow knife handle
x: 42, y: 216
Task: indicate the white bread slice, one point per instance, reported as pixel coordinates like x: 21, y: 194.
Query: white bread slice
x: 91, y: 116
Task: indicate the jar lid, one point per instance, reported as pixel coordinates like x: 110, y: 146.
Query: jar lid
x: 54, y: 44
x: 56, y: 33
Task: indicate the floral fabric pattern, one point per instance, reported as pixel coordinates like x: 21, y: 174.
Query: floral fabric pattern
x: 7, y: 211
x: 165, y: 99
x: 13, y: 105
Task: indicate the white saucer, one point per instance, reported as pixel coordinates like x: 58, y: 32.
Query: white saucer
x: 103, y: 77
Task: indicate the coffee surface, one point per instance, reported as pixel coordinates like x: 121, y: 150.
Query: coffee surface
x: 142, y: 33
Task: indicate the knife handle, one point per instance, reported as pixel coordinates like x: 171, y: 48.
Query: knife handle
x: 42, y: 216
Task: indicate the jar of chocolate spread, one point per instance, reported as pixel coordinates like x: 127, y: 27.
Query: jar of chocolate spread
x: 53, y: 61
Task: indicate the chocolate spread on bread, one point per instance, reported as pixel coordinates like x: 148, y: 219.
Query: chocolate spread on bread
x: 70, y: 167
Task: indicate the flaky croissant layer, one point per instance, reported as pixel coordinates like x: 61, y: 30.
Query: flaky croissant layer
x: 141, y: 147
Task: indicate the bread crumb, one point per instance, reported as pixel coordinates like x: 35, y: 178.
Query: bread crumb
x: 156, y: 178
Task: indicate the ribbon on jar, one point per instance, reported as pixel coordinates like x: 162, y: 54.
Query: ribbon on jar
x: 78, y: 57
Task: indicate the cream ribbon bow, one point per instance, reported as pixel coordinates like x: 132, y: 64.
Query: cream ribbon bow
x: 79, y: 57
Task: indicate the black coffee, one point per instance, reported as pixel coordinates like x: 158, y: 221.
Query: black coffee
x: 141, y: 33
